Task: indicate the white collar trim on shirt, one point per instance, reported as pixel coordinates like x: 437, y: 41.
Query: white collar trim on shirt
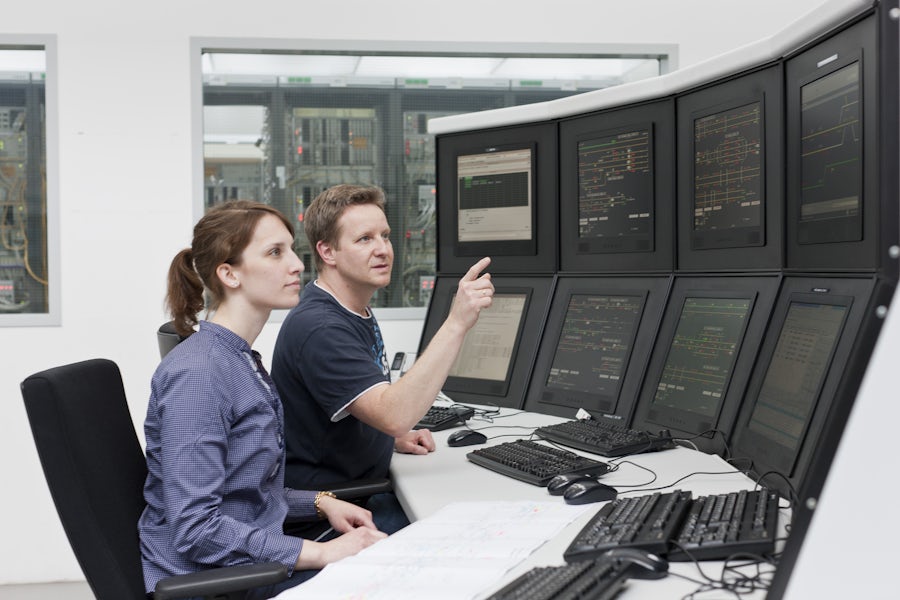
x: 349, y: 310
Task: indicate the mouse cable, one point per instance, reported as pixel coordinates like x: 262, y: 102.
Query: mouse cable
x: 709, y: 434
x: 732, y: 581
x: 731, y: 578
x: 740, y: 577
x: 680, y: 479
x: 793, y: 498
x: 516, y: 435
x: 491, y: 416
x: 734, y: 460
x: 614, y: 466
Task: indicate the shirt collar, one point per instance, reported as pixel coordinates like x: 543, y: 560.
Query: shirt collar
x: 226, y: 336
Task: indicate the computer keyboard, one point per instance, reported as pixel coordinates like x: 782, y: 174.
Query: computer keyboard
x: 533, y: 462
x: 720, y: 526
x: 443, y: 417
x: 647, y: 522
x: 605, y: 439
x: 682, y: 528
x: 587, y: 580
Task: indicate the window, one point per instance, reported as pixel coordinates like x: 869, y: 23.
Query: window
x: 280, y: 126
x: 28, y: 288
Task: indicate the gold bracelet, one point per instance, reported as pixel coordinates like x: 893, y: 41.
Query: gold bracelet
x: 319, y: 496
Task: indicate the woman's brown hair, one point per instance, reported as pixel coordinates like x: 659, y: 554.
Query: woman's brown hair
x: 220, y: 237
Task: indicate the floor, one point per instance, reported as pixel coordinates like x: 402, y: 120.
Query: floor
x: 47, y: 591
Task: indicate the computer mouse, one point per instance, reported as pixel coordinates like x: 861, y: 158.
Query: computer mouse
x: 559, y: 484
x: 585, y: 492
x: 465, y: 437
x: 640, y: 564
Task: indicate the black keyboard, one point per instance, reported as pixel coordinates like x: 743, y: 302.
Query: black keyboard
x: 720, y: 526
x: 444, y: 417
x: 605, y: 439
x: 647, y: 522
x: 587, y: 580
x: 532, y: 462
x: 681, y: 528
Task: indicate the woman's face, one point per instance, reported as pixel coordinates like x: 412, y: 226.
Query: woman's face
x: 269, y: 274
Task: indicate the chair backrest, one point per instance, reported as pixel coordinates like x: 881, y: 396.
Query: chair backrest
x: 167, y: 338
x: 95, y: 468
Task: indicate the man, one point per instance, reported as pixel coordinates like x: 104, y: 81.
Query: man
x: 343, y: 416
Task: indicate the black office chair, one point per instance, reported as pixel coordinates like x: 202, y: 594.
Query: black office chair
x: 168, y: 337
x: 95, y: 469
x: 357, y: 491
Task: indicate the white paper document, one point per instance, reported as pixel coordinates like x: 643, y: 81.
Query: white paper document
x: 460, y: 551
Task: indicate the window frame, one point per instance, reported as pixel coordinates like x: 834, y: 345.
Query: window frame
x: 52, y: 317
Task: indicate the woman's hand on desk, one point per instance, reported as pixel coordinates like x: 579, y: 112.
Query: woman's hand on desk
x: 315, y: 555
x: 345, y: 516
x: 417, y: 441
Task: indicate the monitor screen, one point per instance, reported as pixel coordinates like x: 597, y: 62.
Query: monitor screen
x: 595, y: 345
x: 616, y: 176
x: 615, y: 188
x: 497, y: 355
x: 805, y: 355
x: 834, y: 139
x: 830, y: 158
x: 490, y: 345
x: 731, y: 194
x: 796, y: 371
x: 728, y: 177
x: 495, y: 195
x: 704, y: 355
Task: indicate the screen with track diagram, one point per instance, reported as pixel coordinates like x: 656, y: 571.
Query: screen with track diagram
x: 830, y: 157
x: 727, y: 171
x: 702, y: 354
x: 595, y: 343
x: 615, y: 186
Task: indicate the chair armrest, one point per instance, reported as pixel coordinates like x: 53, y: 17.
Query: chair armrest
x: 360, y: 488
x: 220, y: 581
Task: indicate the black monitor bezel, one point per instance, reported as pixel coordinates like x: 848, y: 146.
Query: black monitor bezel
x: 733, y: 252
x: 511, y: 392
x: 598, y: 255
x: 617, y: 409
x: 762, y: 290
x: 768, y: 456
x: 537, y: 255
x: 856, y: 43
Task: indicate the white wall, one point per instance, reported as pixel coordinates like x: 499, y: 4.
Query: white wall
x: 125, y: 154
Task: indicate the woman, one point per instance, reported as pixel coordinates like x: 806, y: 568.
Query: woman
x: 214, y: 429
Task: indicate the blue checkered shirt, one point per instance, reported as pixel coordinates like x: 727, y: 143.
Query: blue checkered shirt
x: 215, y: 457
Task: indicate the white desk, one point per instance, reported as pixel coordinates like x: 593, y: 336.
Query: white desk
x: 424, y: 484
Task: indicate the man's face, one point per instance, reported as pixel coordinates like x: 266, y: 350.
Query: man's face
x: 363, y: 254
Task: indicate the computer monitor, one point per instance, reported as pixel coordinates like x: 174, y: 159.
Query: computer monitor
x: 617, y: 181
x: 496, y: 196
x: 596, y: 345
x: 700, y: 366
x: 801, y: 364
x: 833, y: 152
x: 494, y: 365
x: 730, y: 198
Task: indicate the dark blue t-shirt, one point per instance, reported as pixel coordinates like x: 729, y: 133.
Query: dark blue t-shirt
x: 325, y: 357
